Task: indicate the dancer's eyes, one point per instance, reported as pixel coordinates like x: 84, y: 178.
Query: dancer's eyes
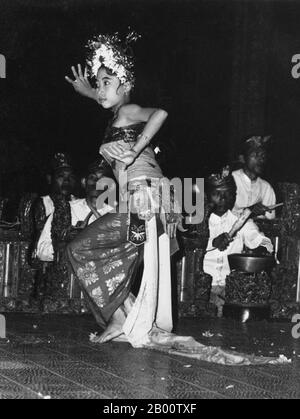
x: 105, y: 83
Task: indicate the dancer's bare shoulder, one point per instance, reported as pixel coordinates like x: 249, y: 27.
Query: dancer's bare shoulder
x: 134, y: 113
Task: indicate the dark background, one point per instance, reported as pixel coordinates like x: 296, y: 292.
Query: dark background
x: 222, y: 69
x: 283, y: 91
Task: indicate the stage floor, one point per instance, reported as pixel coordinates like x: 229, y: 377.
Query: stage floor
x: 51, y: 357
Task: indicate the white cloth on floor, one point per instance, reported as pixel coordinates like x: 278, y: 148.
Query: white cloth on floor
x: 149, y: 321
x: 153, y: 305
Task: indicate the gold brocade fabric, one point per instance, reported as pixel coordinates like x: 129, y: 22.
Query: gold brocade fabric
x: 104, y: 262
x: 145, y: 164
x: 149, y: 198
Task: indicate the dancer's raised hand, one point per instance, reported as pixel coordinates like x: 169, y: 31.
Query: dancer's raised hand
x: 81, y: 83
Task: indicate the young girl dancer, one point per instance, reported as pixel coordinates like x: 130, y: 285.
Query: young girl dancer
x: 106, y: 255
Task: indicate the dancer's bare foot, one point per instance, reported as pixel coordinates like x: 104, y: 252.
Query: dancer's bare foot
x: 114, y: 328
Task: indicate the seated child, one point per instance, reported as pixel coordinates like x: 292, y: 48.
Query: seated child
x: 221, y: 191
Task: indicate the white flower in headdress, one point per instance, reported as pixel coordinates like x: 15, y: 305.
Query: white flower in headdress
x: 108, y: 51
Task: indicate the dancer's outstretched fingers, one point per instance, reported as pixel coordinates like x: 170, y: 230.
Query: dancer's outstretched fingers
x: 70, y: 80
x: 80, y: 71
x: 74, y: 72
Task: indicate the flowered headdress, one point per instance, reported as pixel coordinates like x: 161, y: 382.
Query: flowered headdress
x: 222, y: 180
x: 110, y: 51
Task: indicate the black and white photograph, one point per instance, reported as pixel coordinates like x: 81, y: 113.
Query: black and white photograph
x: 149, y: 202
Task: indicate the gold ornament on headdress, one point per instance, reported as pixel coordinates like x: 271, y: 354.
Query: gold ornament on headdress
x: 223, y: 179
x: 109, y: 51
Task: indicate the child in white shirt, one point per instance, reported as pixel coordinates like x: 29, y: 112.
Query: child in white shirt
x: 221, y: 194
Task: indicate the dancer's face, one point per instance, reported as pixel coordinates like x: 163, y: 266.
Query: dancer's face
x: 111, y: 93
